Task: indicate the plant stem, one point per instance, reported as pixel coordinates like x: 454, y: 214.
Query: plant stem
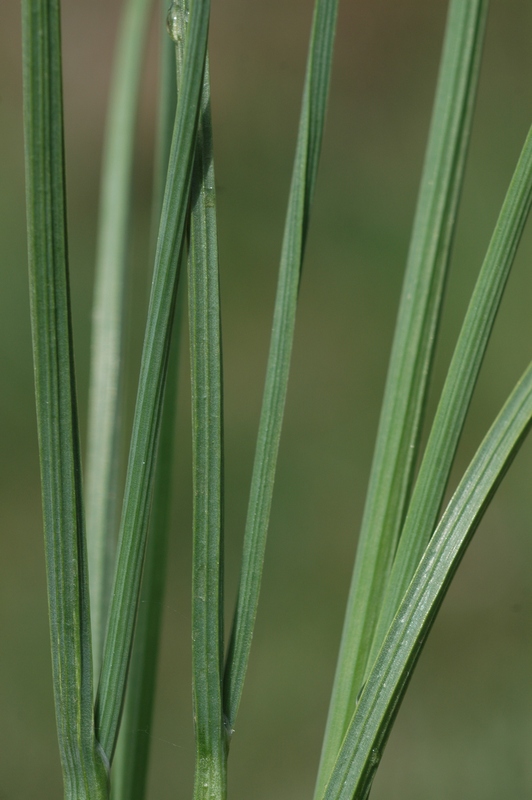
x: 207, y: 455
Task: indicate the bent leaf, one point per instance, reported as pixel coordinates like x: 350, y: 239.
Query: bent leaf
x: 379, y: 702
x: 459, y: 385
x: 409, y: 371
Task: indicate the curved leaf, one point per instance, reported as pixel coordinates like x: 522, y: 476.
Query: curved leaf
x: 379, y: 702
x: 397, y: 443
x: 458, y: 388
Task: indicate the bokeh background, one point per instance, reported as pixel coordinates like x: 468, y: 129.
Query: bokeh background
x: 465, y: 728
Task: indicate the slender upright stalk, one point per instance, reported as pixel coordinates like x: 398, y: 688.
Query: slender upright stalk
x: 304, y: 175
x: 210, y: 779
x: 207, y: 455
x: 84, y: 766
x: 104, y: 440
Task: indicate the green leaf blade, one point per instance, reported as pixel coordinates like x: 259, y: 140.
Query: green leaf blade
x: 107, y: 363
x: 379, y: 702
x: 133, y: 528
x: 300, y: 200
x: 410, y: 362
x: 130, y: 768
x: 459, y: 385
x: 84, y: 768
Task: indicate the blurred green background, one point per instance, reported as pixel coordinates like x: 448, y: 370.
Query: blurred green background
x: 465, y: 728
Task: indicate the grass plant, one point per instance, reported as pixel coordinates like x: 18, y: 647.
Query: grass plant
x: 104, y: 641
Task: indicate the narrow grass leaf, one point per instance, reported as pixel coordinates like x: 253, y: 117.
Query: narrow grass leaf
x: 411, y: 359
x: 84, y: 768
x: 379, y: 703
x: 458, y: 388
x: 107, y: 363
x: 130, y: 767
x: 207, y: 458
x: 299, y: 204
x: 135, y: 513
